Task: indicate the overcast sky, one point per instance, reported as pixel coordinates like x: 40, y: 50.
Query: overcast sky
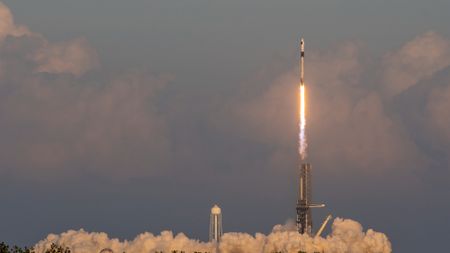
x: 131, y: 116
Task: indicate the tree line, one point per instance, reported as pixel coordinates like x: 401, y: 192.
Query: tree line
x: 54, y: 248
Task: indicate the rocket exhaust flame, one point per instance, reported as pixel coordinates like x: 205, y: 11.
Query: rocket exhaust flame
x: 302, y: 124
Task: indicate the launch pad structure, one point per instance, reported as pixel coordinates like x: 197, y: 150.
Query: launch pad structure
x: 304, y: 205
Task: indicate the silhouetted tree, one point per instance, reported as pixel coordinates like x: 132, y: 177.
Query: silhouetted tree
x: 4, y: 248
x: 54, y: 248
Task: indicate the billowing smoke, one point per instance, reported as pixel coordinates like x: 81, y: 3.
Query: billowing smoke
x: 346, y: 236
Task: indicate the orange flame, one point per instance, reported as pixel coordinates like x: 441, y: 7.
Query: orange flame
x: 302, y: 123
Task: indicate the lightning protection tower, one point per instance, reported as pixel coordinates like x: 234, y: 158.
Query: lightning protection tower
x: 215, y: 224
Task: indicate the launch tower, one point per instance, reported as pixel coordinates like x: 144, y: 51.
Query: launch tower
x: 304, y: 205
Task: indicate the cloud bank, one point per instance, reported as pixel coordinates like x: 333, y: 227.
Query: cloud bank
x: 74, y: 56
x: 55, y: 118
x: 417, y: 59
x: 56, y: 122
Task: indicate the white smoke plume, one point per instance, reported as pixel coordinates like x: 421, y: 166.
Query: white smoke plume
x: 346, y: 236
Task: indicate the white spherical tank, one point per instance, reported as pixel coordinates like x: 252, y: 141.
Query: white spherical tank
x: 215, y: 224
x: 216, y: 210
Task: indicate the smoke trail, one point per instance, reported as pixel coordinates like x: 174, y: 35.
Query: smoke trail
x: 346, y: 236
x: 302, y: 143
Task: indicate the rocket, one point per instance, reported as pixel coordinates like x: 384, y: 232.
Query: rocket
x: 302, y: 62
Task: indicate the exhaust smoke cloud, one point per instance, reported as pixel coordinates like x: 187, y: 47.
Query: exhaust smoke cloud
x: 346, y: 236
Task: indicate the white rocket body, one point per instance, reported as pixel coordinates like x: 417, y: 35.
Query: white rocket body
x: 302, y: 62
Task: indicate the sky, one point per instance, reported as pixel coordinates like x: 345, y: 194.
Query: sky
x: 132, y: 116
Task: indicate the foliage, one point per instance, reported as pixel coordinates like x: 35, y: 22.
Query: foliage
x: 54, y: 248
x: 4, y: 248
